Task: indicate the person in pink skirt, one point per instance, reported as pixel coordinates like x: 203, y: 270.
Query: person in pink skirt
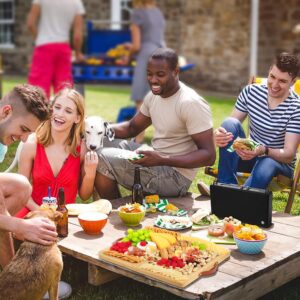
x: 50, y: 23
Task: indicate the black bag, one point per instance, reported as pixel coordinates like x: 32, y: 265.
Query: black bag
x: 249, y: 205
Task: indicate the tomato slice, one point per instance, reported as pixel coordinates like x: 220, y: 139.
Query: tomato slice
x: 215, y: 230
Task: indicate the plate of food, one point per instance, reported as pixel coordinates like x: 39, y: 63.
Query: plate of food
x: 130, y: 155
x: 203, y: 219
x: 102, y: 205
x: 173, y: 222
x: 215, y: 235
x: 153, y: 203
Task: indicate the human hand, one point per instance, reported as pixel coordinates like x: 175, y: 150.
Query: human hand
x: 252, y: 79
x: 127, y: 46
x: 249, y: 154
x: 90, y: 163
x: 222, y: 137
x: 79, y: 57
x: 37, y: 230
x: 245, y: 154
x: 151, y: 158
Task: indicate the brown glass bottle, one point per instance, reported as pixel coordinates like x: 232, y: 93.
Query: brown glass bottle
x: 62, y: 224
x: 137, y: 189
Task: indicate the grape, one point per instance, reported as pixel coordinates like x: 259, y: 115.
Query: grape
x: 125, y: 239
x: 135, y: 239
x: 142, y: 237
x: 130, y: 230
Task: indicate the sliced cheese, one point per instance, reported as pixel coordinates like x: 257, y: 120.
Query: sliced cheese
x: 160, y: 241
x: 171, y: 238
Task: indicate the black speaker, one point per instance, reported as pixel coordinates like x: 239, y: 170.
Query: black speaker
x: 249, y: 205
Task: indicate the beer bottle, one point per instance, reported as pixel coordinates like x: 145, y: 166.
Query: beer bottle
x: 62, y: 224
x: 137, y: 189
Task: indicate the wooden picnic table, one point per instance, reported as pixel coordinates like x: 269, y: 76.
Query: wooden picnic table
x: 242, y: 276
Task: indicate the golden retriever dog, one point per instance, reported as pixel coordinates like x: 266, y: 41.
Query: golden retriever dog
x: 34, y: 270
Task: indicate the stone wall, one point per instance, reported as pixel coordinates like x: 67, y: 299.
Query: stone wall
x: 15, y: 60
x: 277, y: 22
x: 214, y: 35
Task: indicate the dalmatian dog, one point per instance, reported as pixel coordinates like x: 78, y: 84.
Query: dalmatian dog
x: 95, y: 131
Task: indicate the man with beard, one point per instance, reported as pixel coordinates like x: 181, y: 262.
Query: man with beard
x: 274, y: 117
x: 182, y: 142
x: 21, y: 111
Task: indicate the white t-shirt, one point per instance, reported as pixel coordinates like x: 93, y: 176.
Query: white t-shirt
x: 56, y: 20
x: 175, y: 119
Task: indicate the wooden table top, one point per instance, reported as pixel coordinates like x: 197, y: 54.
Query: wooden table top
x: 242, y: 276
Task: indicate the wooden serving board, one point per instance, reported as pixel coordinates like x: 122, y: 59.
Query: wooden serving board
x: 172, y: 276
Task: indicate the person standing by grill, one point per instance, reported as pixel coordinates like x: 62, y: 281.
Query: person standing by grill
x: 147, y: 34
x: 50, y: 23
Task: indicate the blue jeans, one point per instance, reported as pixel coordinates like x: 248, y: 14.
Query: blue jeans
x: 263, y: 168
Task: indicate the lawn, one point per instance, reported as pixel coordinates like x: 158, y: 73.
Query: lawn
x: 106, y: 101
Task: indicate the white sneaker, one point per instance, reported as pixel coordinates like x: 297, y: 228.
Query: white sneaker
x: 203, y: 188
x: 64, y: 291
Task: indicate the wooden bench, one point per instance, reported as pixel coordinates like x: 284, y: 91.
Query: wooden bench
x: 242, y: 276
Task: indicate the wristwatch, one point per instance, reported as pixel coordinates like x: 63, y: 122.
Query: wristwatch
x: 266, y: 150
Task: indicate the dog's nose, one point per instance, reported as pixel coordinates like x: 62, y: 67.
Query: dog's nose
x: 93, y: 147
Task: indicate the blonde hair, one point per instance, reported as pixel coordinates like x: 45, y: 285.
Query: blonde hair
x: 43, y: 132
x: 141, y: 3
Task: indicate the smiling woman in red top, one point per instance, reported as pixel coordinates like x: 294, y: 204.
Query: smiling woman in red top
x: 56, y: 155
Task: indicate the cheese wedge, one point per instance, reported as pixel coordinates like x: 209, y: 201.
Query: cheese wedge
x: 171, y: 238
x: 160, y: 241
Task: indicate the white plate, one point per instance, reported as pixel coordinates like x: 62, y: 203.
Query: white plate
x: 103, y: 206
x: 180, y: 223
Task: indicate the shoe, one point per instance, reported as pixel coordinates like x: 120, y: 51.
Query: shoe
x: 64, y: 291
x: 203, y: 188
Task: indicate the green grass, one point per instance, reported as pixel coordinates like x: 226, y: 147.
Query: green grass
x: 106, y: 101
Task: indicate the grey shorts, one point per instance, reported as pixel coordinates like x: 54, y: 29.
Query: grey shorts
x: 162, y: 180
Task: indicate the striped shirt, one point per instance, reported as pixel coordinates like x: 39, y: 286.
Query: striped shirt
x: 269, y: 126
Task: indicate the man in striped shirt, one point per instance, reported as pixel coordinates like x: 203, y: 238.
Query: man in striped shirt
x: 274, y: 119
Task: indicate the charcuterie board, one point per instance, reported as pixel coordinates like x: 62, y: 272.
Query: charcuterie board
x: 173, y: 258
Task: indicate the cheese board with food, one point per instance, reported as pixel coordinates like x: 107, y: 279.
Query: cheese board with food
x: 167, y: 256
x: 102, y: 205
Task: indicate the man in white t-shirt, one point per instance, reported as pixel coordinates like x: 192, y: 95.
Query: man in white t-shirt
x: 182, y: 141
x: 50, y: 23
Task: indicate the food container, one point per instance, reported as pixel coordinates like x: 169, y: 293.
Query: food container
x: 92, y: 222
x: 250, y: 246
x: 250, y: 239
x: 231, y: 225
x: 131, y: 218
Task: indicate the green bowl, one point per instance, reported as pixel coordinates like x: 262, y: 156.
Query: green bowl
x: 131, y: 219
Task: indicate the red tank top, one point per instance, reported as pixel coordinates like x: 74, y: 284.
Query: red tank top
x: 42, y: 177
